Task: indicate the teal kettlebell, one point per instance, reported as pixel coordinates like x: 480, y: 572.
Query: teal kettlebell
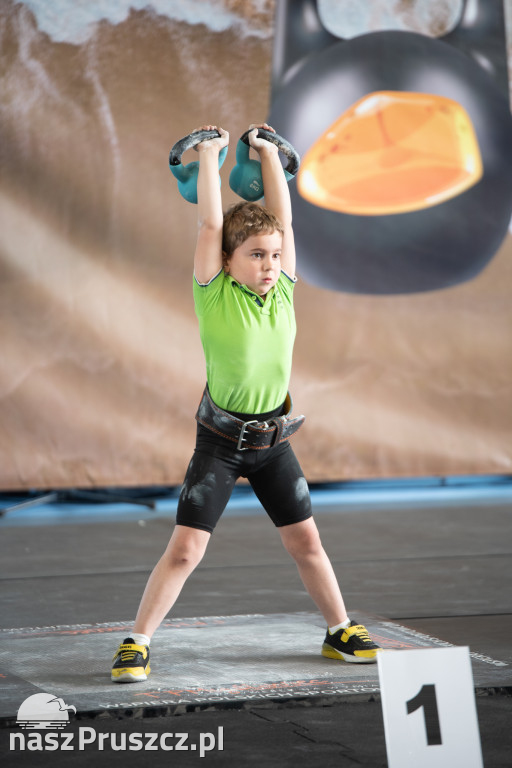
x: 186, y: 175
x: 245, y: 178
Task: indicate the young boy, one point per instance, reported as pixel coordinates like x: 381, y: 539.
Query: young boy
x: 244, y: 275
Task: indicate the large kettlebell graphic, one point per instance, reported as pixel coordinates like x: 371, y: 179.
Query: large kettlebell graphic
x: 322, y: 91
x: 245, y: 178
x: 186, y: 175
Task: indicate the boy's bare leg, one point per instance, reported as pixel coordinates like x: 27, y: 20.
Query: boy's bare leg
x: 184, y: 552
x: 302, y: 541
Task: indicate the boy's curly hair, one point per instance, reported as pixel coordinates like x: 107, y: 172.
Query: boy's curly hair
x: 242, y: 221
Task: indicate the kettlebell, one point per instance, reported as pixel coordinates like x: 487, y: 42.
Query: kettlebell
x: 318, y: 76
x: 187, y: 174
x: 245, y: 178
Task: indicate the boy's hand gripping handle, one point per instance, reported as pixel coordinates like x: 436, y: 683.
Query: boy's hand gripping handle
x: 186, y: 175
x: 245, y: 178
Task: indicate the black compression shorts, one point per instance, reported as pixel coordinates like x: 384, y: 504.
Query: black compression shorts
x: 274, y: 474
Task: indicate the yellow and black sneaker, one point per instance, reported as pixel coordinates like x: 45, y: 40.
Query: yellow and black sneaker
x: 131, y: 662
x: 352, y: 644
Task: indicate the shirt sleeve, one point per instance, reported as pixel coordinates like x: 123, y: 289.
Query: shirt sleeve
x: 287, y: 284
x: 206, y: 295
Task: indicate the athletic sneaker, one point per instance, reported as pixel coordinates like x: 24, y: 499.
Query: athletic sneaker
x: 131, y: 662
x: 351, y: 644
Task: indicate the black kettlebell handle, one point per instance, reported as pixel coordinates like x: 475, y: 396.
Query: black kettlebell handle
x: 480, y: 24
x: 284, y: 146
x: 188, y: 142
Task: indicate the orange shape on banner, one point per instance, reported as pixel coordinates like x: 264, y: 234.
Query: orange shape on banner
x: 392, y: 152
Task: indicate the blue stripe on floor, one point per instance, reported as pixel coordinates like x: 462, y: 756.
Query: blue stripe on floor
x: 350, y: 496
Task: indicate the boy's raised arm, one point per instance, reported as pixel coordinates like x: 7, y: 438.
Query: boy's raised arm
x: 277, y: 194
x: 208, y: 254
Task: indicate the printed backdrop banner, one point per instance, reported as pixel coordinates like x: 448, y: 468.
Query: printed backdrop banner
x: 403, y: 359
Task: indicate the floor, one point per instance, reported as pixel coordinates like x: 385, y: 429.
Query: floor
x: 240, y: 651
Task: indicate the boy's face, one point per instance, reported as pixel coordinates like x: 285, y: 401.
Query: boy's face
x: 257, y: 262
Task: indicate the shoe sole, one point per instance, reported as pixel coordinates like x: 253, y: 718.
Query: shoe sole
x: 332, y: 653
x: 129, y: 676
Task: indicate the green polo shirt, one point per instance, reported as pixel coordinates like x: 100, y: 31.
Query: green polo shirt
x: 247, y: 342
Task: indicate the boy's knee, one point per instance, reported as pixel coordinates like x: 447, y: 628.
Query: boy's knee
x: 188, y: 547
x: 302, y: 542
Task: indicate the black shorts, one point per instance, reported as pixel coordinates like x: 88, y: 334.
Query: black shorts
x: 274, y: 474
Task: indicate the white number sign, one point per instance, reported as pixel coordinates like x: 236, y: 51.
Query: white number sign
x: 428, y: 704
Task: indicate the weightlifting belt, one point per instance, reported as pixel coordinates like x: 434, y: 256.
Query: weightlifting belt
x: 253, y: 434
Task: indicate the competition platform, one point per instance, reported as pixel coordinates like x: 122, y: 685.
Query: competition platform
x: 244, y: 633
x: 206, y: 662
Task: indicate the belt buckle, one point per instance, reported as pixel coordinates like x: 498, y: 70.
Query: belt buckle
x: 241, y: 438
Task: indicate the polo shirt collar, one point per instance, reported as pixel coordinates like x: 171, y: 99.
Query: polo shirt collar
x: 264, y: 305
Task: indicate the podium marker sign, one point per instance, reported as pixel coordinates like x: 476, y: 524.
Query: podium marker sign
x: 428, y: 704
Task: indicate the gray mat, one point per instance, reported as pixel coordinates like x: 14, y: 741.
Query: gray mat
x: 209, y: 661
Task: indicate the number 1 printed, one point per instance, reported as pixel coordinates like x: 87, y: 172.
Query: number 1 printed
x: 427, y: 699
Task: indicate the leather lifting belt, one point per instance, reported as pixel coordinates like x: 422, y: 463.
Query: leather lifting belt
x: 253, y: 434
